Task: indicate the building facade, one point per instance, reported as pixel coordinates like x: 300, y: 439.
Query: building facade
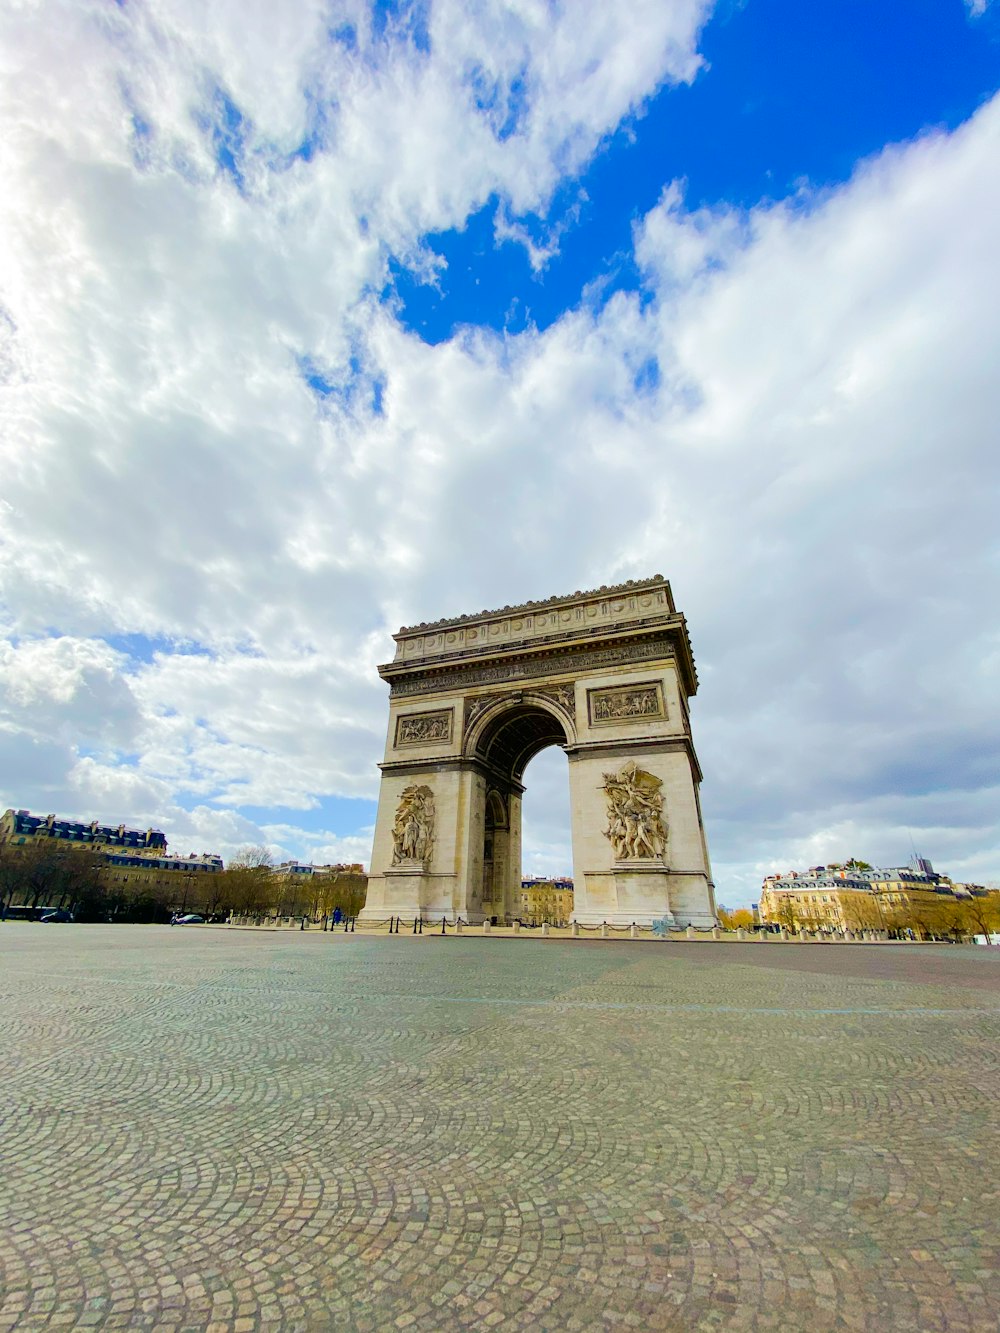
x: 857, y: 897
x: 21, y: 827
x: 546, y: 902
x: 135, y: 863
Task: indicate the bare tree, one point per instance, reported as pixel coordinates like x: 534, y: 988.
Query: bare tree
x: 248, y: 883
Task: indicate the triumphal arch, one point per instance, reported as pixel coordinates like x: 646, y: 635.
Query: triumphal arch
x: 606, y: 675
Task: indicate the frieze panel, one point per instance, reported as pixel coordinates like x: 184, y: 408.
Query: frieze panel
x: 630, y: 703
x: 579, y: 615
x: 630, y: 587
x: 424, y: 728
x: 462, y: 677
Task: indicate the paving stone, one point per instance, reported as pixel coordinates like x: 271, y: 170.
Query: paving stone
x: 228, y: 1130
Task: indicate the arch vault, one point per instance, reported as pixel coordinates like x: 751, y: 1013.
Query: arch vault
x: 606, y: 675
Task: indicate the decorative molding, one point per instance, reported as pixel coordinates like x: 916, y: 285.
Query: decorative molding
x: 626, y: 703
x: 630, y: 585
x: 563, y: 695
x: 461, y: 677
x: 424, y: 728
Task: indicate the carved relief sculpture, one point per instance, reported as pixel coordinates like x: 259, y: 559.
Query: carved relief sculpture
x: 564, y: 695
x: 639, y: 701
x: 413, y: 829
x: 636, y: 827
x: 423, y: 727
x: 474, y: 707
x: 550, y: 666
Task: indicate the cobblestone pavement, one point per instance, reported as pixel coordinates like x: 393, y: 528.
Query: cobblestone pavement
x: 241, y: 1130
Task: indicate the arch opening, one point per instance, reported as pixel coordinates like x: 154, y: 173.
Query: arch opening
x: 510, y: 741
x: 546, y: 889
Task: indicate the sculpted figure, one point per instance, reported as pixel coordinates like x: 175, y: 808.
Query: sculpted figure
x: 636, y: 827
x: 424, y: 729
x: 626, y: 704
x: 413, y: 828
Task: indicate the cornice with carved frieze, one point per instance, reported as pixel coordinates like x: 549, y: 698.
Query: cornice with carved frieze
x: 547, y: 603
x: 461, y: 676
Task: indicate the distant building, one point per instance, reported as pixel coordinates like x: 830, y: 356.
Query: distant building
x: 20, y: 827
x: 174, y: 876
x: 136, y: 861
x: 290, y: 869
x: 299, y: 888
x: 858, y: 897
x: 546, y: 901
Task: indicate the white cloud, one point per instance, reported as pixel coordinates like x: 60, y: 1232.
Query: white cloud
x: 797, y: 428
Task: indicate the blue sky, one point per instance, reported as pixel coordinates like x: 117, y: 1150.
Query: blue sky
x: 790, y: 96
x: 322, y: 318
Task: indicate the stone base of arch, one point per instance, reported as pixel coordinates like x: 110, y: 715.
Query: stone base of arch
x: 638, y: 894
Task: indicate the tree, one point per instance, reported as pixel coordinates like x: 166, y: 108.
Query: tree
x: 736, y: 918
x: 784, y: 913
x: 862, y: 911
x: 343, y: 888
x: 925, y: 918
x: 50, y: 874
x: 982, y: 913
x: 248, y: 883
x: 10, y: 876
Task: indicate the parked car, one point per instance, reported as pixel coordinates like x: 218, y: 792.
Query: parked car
x: 188, y: 919
x: 60, y: 914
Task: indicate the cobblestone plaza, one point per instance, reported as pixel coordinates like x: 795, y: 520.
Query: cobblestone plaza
x: 239, y: 1130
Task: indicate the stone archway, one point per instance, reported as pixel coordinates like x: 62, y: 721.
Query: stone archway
x: 606, y: 675
x: 505, y: 730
